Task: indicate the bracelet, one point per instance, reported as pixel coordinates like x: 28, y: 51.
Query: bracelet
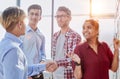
x: 77, y: 64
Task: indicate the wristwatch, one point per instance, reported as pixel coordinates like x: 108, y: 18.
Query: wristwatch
x: 77, y: 64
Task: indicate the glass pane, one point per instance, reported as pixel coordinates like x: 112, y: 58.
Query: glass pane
x: 76, y: 6
x: 6, y: 3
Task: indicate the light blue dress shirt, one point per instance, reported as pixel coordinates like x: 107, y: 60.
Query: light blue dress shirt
x: 34, y: 46
x: 13, y: 64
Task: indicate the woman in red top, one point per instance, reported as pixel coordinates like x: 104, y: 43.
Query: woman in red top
x: 93, y: 59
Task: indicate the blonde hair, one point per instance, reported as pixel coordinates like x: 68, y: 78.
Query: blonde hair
x: 11, y: 16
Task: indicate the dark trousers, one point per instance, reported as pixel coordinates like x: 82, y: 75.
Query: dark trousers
x: 39, y: 76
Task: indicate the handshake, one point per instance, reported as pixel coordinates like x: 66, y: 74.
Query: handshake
x: 51, y: 66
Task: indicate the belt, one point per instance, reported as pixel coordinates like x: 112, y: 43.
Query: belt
x: 39, y: 76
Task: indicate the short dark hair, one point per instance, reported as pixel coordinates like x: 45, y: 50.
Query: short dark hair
x: 35, y: 6
x: 65, y: 9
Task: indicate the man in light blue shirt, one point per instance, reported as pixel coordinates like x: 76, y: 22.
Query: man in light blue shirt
x: 34, y: 40
x: 34, y: 46
x: 13, y: 60
x: 13, y: 63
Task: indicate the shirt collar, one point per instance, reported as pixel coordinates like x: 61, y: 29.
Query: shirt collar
x: 88, y: 46
x: 30, y: 29
x: 67, y: 33
x: 13, y: 37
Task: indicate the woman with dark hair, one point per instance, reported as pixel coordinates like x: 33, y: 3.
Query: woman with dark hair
x: 93, y: 58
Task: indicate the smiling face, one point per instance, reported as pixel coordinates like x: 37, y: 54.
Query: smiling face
x: 63, y: 16
x: 90, y: 29
x: 34, y: 16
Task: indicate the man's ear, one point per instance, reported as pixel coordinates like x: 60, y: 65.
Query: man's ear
x: 19, y: 25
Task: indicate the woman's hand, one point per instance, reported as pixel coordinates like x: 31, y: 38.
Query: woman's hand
x: 74, y: 57
x: 116, y: 44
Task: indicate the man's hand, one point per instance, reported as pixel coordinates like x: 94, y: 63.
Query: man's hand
x: 51, y: 66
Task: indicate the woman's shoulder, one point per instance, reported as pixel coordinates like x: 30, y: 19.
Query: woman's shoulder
x: 104, y: 44
x: 81, y: 45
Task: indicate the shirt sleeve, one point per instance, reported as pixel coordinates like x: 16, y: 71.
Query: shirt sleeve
x: 36, y: 69
x: 13, y: 66
x: 76, y: 51
x: 64, y: 62
x: 42, y: 50
x: 76, y: 41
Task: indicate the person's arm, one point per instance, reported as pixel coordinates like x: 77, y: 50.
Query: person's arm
x: 63, y: 62
x: 36, y: 69
x: 78, y: 72
x: 76, y: 40
x: 42, y: 50
x: 115, y: 62
x: 13, y: 65
x: 76, y: 65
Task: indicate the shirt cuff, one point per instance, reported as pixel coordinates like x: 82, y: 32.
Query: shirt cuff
x: 36, y: 69
x: 41, y: 67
